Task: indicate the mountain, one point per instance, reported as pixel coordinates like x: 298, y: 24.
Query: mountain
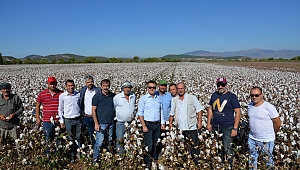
x: 253, y: 53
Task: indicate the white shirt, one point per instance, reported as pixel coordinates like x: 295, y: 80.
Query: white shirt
x: 124, y: 108
x: 88, y: 100
x: 68, y: 106
x: 261, y: 123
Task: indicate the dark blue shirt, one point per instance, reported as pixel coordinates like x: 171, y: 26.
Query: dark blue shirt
x: 105, y: 107
x: 223, y: 109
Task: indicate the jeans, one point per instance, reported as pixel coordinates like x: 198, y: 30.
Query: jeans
x: 73, y: 128
x: 255, y: 148
x: 193, y: 134
x: 49, y: 130
x: 226, y: 152
x: 89, y: 122
x: 120, y: 131
x: 100, y: 137
x: 150, y: 139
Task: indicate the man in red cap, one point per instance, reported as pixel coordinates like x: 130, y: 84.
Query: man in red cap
x: 221, y: 117
x: 49, y: 100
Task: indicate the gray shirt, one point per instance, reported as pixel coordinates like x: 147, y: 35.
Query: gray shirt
x: 10, y: 106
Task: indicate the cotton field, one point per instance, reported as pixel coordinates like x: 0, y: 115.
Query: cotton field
x: 280, y: 86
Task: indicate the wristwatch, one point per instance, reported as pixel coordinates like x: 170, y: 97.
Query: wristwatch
x: 235, y: 129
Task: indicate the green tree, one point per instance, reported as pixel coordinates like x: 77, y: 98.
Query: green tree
x: 1, y: 59
x: 53, y: 61
x: 136, y: 59
x: 27, y: 61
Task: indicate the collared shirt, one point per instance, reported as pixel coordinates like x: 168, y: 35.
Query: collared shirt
x: 105, y: 107
x: 88, y: 100
x: 166, y: 104
x: 124, y: 108
x: 182, y: 112
x: 69, y: 106
x: 7, y: 107
x: 49, y: 103
x: 151, y: 108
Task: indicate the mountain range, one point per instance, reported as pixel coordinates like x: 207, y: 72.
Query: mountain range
x: 252, y: 53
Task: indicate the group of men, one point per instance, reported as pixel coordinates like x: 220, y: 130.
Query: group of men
x: 98, y: 106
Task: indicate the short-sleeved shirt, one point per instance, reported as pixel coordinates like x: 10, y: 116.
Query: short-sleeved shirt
x: 10, y: 106
x: 261, y: 123
x: 105, y: 107
x: 223, y: 106
x: 124, y: 108
x: 49, y: 103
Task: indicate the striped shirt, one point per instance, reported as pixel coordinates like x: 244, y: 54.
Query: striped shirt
x: 49, y: 103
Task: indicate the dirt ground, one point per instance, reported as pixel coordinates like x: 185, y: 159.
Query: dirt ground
x: 281, y: 66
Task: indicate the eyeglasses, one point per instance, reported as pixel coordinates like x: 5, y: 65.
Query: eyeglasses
x: 151, y: 87
x: 221, y: 84
x: 256, y: 95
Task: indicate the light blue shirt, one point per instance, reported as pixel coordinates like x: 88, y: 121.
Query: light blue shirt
x: 124, y: 108
x: 166, y: 104
x: 151, y: 108
x: 182, y: 112
x: 68, y: 106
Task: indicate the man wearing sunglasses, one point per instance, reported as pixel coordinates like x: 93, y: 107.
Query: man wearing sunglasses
x: 221, y: 117
x: 150, y: 113
x: 264, y: 122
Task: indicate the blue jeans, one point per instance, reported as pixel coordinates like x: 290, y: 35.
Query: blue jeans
x: 73, y: 125
x: 226, y: 152
x: 120, y: 131
x: 89, y: 122
x: 255, y: 148
x: 49, y: 130
x: 100, y: 137
x: 150, y: 139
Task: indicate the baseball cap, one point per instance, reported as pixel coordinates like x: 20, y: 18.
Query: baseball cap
x: 52, y: 79
x: 222, y: 80
x: 163, y: 82
x: 5, y: 85
x: 127, y: 84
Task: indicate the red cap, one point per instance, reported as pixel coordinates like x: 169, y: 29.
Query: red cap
x: 221, y: 79
x: 52, y: 79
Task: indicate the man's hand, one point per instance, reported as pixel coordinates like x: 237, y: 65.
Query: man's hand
x: 10, y: 117
x: 2, y: 117
x: 209, y: 127
x: 233, y: 133
x: 38, y: 120
x: 97, y: 127
x: 199, y: 125
x: 62, y: 125
x: 145, y: 129
x: 162, y: 127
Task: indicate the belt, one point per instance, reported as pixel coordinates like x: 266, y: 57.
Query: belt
x: 150, y: 122
x: 87, y: 115
x: 75, y: 118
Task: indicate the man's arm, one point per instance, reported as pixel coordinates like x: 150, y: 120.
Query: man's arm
x: 209, y: 117
x: 140, y: 113
x: 94, y: 113
x: 276, y: 124
x: 200, y: 119
x: 61, y: 111
x: 19, y: 110
x: 37, y: 113
x: 236, y: 121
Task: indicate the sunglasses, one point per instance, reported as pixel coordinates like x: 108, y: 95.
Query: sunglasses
x: 256, y: 95
x: 151, y: 87
x: 221, y: 84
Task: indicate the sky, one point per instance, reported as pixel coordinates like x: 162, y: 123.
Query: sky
x: 128, y: 28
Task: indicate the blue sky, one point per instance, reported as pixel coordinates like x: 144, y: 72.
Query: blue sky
x: 153, y: 28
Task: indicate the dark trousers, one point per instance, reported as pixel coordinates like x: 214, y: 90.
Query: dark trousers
x: 150, y: 139
x: 193, y: 134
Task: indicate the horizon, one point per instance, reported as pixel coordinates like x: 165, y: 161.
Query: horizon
x: 124, y: 29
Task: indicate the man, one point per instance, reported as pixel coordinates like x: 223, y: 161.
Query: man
x: 150, y: 113
x: 187, y: 111
x: 221, y: 118
x: 166, y: 98
x: 173, y: 89
x: 124, y: 104
x: 10, y: 108
x: 264, y: 122
x: 70, y: 116
x: 49, y: 100
x: 103, y: 115
x: 86, y: 94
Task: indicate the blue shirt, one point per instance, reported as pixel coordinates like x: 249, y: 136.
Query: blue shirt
x: 223, y: 109
x: 105, y: 107
x: 124, y: 108
x: 151, y: 108
x: 166, y: 104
